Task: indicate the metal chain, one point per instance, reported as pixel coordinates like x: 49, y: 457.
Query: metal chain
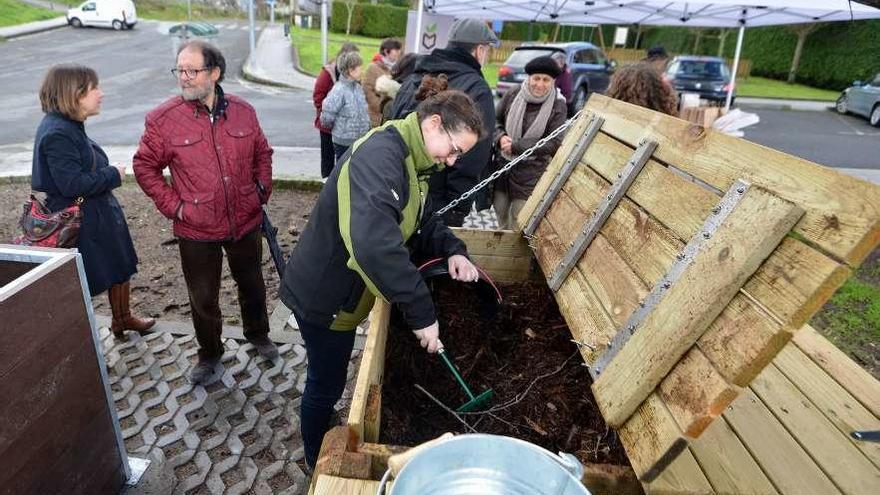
x: 525, y: 154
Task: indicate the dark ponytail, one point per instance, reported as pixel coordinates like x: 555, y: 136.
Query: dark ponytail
x: 456, y: 109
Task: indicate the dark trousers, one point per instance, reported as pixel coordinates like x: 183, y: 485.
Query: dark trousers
x: 339, y: 150
x: 202, y: 263
x: 328, y: 353
x: 328, y: 157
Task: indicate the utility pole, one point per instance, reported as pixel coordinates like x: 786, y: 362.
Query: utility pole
x: 251, y: 31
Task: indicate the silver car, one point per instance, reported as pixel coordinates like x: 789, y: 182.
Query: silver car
x: 862, y: 99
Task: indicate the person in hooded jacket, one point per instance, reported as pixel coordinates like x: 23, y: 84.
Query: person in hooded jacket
x: 357, y: 246
x: 345, y: 108
x: 462, y: 60
x: 525, y: 116
x: 323, y: 84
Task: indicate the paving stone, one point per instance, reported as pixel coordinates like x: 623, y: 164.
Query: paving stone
x: 238, y: 435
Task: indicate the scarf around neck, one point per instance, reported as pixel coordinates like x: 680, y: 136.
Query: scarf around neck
x: 513, y: 125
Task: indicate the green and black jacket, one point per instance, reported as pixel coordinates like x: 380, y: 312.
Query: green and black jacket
x: 360, y: 236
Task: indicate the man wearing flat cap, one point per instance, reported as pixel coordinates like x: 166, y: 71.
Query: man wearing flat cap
x: 461, y: 61
x: 525, y: 116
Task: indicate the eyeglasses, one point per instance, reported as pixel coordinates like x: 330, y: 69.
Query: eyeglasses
x: 189, y: 73
x: 456, y: 151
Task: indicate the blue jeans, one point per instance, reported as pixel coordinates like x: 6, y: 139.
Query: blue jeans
x: 328, y: 353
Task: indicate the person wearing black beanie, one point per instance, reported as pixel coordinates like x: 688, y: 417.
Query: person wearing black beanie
x: 524, y: 116
x: 543, y: 65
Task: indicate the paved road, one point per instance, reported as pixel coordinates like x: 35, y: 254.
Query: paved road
x: 823, y: 137
x: 134, y: 70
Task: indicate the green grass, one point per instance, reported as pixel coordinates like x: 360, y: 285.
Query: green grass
x: 13, y: 12
x: 176, y: 11
x: 851, y: 319
x: 761, y: 87
x: 308, y: 47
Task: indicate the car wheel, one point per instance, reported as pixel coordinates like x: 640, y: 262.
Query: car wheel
x: 117, y: 25
x: 875, y: 116
x: 841, y: 104
x: 75, y: 22
x: 579, y: 99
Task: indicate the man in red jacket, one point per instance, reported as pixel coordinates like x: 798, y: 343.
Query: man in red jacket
x: 217, y: 154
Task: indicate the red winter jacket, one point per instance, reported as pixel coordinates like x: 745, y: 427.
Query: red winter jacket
x: 323, y: 84
x: 213, y: 167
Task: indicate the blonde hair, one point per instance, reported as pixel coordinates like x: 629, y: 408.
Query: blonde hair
x: 64, y: 86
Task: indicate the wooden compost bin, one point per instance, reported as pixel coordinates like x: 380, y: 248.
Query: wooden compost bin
x: 58, y: 427
x: 687, y: 263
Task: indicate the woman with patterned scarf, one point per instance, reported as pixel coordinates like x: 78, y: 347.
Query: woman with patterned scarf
x: 523, y: 117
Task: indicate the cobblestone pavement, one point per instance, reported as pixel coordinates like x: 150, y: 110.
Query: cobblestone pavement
x: 238, y: 435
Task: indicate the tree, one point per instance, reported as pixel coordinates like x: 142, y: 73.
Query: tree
x: 802, y: 31
x: 349, y: 5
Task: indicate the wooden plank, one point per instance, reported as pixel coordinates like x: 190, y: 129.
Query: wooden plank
x: 652, y: 438
x: 858, y: 382
x: 502, y: 243
x: 609, y: 479
x: 794, y: 282
x: 683, y: 477
x: 727, y: 464
x: 652, y: 434
x: 371, y: 367
x: 334, y: 485
x: 844, y: 464
x: 380, y: 453
x: 586, y: 319
x: 830, y: 398
x: 742, y: 242
x: 578, y: 128
x: 695, y: 408
x: 503, y: 268
x: 848, y: 226
x: 743, y: 339
x: 781, y: 458
x: 373, y: 411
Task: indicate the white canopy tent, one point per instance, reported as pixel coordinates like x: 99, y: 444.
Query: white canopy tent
x: 698, y: 13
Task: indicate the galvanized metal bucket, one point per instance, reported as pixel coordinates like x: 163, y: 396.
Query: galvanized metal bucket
x: 489, y: 465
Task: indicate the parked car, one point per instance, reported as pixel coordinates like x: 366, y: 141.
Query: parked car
x: 590, y: 69
x: 707, y: 76
x: 862, y: 99
x: 118, y: 14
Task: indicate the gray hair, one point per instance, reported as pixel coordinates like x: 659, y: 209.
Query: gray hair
x: 347, y: 47
x: 348, y: 61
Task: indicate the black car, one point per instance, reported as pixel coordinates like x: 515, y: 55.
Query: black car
x: 707, y: 76
x: 590, y: 69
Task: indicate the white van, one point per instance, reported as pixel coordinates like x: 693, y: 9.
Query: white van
x: 118, y: 14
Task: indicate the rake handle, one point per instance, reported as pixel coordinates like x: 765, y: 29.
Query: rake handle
x: 458, y: 378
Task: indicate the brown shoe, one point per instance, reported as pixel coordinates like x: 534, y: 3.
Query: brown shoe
x: 119, y: 296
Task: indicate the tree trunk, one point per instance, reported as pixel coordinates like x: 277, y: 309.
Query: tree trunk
x: 802, y: 31
x: 350, y: 7
x: 697, y: 36
x: 722, y: 37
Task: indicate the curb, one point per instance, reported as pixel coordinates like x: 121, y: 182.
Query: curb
x: 796, y: 107
x: 33, y: 31
x: 247, y: 75
x: 305, y: 185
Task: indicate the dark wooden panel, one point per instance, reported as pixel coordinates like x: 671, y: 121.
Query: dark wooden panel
x: 38, y: 429
x: 56, y: 433
x: 82, y: 468
x: 37, y: 316
x: 11, y: 270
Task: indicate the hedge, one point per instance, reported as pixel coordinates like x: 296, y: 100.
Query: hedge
x: 834, y: 55
x: 376, y: 21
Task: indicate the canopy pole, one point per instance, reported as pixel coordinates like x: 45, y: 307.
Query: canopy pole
x: 417, y: 45
x: 324, y: 32
x: 739, y: 45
